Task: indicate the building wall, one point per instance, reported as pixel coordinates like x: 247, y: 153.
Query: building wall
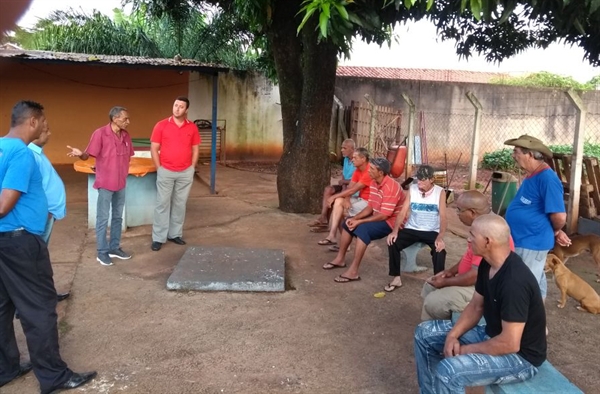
x: 248, y: 106
x: 78, y: 98
x: 446, y: 116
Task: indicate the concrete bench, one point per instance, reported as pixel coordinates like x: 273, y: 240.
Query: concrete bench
x: 410, y: 256
x: 548, y: 380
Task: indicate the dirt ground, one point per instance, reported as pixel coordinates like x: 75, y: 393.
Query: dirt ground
x: 317, y: 337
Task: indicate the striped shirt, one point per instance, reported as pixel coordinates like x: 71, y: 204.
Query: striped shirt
x: 386, y: 198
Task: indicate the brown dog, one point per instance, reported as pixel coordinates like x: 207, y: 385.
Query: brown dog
x: 579, y: 244
x: 572, y: 285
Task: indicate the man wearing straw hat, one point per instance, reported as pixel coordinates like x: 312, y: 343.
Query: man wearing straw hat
x: 537, y: 214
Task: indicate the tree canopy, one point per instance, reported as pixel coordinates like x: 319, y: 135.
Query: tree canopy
x: 497, y: 29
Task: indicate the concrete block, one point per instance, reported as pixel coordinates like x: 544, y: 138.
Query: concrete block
x: 410, y: 257
x: 206, y: 268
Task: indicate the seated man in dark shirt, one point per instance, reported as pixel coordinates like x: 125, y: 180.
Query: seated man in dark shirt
x: 511, y: 346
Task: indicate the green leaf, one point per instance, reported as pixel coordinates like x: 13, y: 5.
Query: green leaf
x: 355, y: 19
x: 407, y: 4
x: 323, y: 24
x: 429, y: 4
x: 306, y: 18
x: 342, y: 10
x: 578, y: 26
x: 506, y: 13
x: 326, y: 9
x: 476, y: 9
x: 594, y: 5
x: 463, y: 6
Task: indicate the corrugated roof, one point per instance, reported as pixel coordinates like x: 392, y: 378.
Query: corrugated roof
x: 62, y: 57
x: 418, y: 74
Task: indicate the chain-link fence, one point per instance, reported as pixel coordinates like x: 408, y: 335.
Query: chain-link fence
x: 445, y: 139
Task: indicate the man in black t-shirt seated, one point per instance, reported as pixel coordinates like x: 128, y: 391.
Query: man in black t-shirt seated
x: 512, y: 344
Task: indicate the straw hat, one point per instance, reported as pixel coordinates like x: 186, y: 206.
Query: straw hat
x: 529, y: 142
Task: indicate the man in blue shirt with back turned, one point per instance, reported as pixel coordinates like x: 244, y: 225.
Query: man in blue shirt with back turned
x: 25, y: 271
x: 54, y: 189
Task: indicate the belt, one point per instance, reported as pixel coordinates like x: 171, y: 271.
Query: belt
x: 12, y: 234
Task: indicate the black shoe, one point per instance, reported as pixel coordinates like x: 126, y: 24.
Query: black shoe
x: 156, y: 246
x: 23, y: 369
x: 62, y: 296
x: 177, y: 240
x: 78, y: 379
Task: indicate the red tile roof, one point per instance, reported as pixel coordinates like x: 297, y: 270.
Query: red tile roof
x: 418, y: 74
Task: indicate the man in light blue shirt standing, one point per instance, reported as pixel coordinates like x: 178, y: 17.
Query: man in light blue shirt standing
x: 54, y: 188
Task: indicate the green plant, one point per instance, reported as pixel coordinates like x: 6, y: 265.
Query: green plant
x: 547, y: 80
x: 589, y: 149
x: 498, y: 160
x: 501, y: 160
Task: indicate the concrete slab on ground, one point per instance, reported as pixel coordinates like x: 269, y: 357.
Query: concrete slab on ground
x: 229, y: 269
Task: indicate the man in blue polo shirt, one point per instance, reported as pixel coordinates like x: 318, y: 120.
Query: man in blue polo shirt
x: 322, y: 221
x: 25, y: 270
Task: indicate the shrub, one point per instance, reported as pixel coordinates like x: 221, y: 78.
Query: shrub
x: 499, y: 160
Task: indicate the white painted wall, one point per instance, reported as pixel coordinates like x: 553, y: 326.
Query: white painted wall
x: 248, y: 105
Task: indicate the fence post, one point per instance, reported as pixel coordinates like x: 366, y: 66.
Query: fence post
x: 410, y: 139
x: 577, y: 163
x: 371, y: 145
x: 475, y: 144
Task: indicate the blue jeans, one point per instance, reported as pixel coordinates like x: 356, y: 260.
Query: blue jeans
x: 106, y: 199
x: 439, y: 375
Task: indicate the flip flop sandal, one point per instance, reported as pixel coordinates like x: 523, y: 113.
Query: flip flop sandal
x: 325, y: 242
x: 330, y: 266
x: 334, y: 248
x: 319, y: 230
x: 316, y: 223
x: 390, y: 287
x: 345, y: 279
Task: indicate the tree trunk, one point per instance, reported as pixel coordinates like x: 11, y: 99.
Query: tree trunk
x: 306, y: 71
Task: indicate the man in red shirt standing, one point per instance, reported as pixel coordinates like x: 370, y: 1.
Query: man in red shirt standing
x: 174, y: 147
x: 112, y: 148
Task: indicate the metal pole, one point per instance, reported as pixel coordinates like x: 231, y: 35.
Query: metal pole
x: 577, y: 163
x: 410, y: 158
x: 371, y: 143
x: 213, y: 148
x: 476, y: 137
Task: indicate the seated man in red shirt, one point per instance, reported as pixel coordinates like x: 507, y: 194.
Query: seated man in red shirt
x: 373, y: 222
x: 346, y: 200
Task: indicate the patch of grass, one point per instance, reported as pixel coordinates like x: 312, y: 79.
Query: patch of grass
x: 63, y: 327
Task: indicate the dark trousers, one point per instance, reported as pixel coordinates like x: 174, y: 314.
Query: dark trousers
x: 26, y: 284
x: 407, y: 237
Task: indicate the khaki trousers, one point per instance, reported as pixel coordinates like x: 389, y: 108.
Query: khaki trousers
x: 438, y: 304
x: 172, y: 191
